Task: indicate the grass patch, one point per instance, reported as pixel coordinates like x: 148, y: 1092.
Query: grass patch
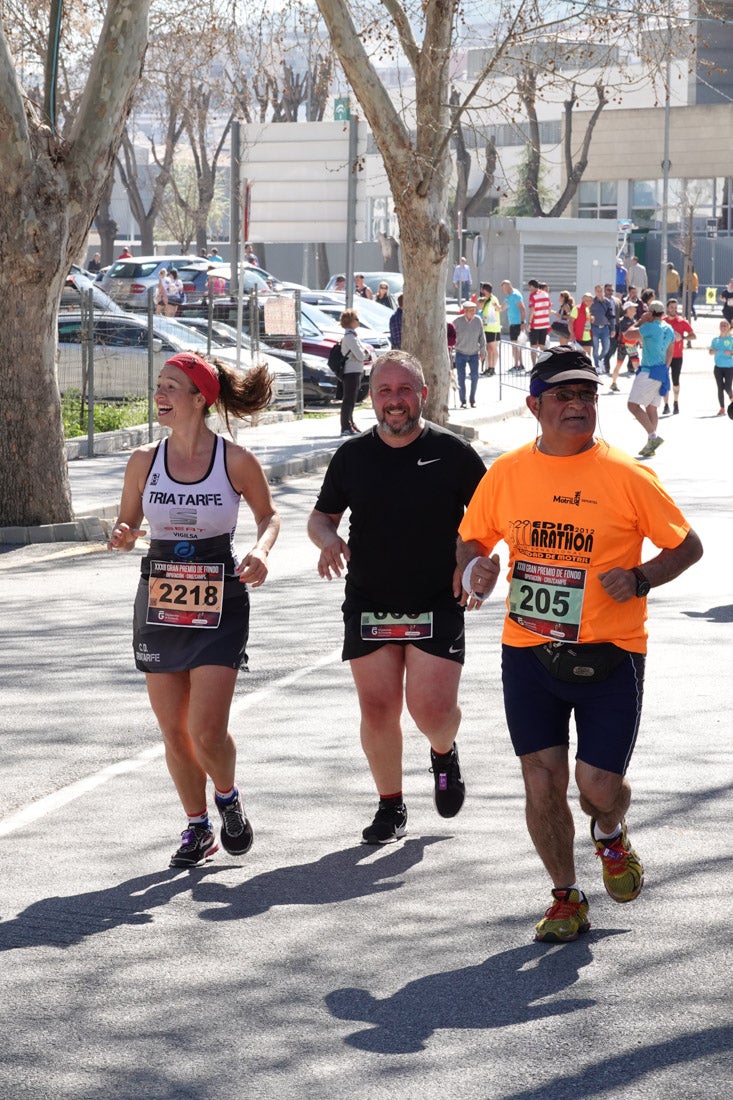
x: 108, y: 417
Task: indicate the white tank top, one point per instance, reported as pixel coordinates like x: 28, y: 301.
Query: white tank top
x: 196, y: 510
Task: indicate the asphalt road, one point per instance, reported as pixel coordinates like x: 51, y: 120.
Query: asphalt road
x: 315, y: 967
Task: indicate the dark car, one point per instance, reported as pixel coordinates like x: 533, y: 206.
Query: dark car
x: 319, y: 332
x: 225, y: 309
x: 76, y: 284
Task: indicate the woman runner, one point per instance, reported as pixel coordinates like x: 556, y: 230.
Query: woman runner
x: 191, y: 617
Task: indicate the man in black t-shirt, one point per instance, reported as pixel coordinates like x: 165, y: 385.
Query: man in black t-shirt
x: 406, y: 483
x: 726, y: 297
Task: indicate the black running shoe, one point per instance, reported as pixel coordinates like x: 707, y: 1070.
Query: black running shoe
x: 236, y: 832
x: 450, y: 790
x: 390, y: 823
x: 198, y: 844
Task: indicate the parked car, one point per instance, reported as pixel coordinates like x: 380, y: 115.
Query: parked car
x: 121, y: 356
x: 73, y: 287
x: 128, y: 281
x: 373, y: 318
x: 319, y: 382
x: 330, y: 327
x: 225, y: 309
x: 77, y: 269
x: 195, y: 280
x: 272, y: 280
x: 318, y: 331
x: 393, y: 279
x: 315, y: 341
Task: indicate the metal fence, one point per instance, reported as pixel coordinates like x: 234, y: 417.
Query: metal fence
x: 514, y: 365
x: 105, y: 356
x: 108, y: 355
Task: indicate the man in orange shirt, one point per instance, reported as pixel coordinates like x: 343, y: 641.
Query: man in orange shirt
x: 574, y: 513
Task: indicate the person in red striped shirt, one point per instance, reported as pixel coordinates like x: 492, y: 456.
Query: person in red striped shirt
x: 540, y: 308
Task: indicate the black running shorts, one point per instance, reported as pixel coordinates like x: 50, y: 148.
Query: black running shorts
x: 363, y: 635
x: 178, y: 648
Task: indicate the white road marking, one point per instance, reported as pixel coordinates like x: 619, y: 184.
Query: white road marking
x: 62, y: 797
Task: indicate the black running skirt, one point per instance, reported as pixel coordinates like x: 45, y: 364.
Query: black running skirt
x: 165, y: 648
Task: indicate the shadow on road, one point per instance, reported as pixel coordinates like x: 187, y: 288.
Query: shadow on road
x: 722, y: 614
x: 681, y: 1050
x: 502, y: 991
x: 338, y: 876
x: 65, y: 921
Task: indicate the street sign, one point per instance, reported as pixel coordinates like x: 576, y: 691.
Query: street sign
x: 711, y: 227
x: 342, y: 109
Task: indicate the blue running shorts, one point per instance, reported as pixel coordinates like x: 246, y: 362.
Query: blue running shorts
x: 607, y: 713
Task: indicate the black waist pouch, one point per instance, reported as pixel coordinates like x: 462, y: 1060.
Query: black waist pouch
x: 579, y: 664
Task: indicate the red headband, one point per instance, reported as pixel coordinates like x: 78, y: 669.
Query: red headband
x: 201, y: 373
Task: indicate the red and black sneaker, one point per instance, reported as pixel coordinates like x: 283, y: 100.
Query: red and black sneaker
x: 236, y: 832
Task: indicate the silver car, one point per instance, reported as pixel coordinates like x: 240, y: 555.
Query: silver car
x: 121, y: 356
x: 128, y: 281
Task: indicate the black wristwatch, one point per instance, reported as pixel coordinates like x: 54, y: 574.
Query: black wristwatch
x: 643, y: 586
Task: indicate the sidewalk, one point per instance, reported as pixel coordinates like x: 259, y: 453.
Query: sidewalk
x: 285, y: 447
x: 289, y: 447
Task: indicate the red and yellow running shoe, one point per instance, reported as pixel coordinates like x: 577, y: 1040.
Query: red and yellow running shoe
x: 566, y: 919
x: 623, y: 872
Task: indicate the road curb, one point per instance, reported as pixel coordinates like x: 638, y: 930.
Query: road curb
x: 82, y: 529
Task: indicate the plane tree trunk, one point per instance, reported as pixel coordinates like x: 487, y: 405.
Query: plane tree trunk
x: 50, y: 188
x: 417, y: 168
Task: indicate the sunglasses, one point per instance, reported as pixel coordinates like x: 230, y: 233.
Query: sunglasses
x: 588, y: 397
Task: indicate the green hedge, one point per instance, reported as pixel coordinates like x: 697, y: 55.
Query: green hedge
x: 107, y: 417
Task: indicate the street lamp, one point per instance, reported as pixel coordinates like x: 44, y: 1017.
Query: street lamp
x: 666, y: 165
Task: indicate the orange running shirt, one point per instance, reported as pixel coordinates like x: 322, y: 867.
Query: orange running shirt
x: 565, y: 520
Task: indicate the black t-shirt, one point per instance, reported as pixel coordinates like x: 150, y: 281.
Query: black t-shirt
x: 727, y: 296
x: 406, y: 504
x: 625, y: 323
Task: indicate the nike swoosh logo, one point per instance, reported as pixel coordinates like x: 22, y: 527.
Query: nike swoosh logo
x: 452, y: 649
x: 427, y: 461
